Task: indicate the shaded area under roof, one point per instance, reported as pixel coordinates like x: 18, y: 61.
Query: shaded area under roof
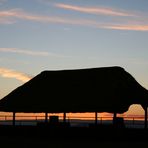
x: 109, y: 89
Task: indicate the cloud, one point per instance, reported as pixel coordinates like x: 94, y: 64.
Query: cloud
x: 8, y: 73
x: 7, y: 17
x: 33, y: 53
x: 11, y: 16
x: 20, y: 14
x: 94, y: 10
x: 10, y: 13
x: 23, y: 51
x: 134, y: 27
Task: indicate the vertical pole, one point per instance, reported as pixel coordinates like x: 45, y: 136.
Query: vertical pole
x: 115, y: 115
x: 96, y: 118
x: 101, y: 120
x: 46, y: 117
x: 133, y: 122
x: 64, y: 117
x: 145, y: 124
x: 114, y: 119
x: 13, y: 122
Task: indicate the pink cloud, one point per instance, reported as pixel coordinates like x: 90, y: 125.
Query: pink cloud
x: 94, y: 10
x: 20, y: 14
x: 134, y: 27
x: 8, y: 73
x: 11, y: 16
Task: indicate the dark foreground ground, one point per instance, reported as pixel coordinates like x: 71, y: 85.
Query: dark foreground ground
x: 92, y: 137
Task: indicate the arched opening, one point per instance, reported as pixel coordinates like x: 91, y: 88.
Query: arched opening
x: 135, y: 110
x: 134, y: 117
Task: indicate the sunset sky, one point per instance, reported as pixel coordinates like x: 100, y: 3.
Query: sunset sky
x: 37, y: 35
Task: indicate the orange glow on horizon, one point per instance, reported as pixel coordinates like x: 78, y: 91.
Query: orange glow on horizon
x: 135, y: 111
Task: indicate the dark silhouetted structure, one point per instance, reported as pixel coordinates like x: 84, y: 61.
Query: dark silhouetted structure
x: 109, y: 89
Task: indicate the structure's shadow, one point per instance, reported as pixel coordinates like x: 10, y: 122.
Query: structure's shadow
x: 103, y: 132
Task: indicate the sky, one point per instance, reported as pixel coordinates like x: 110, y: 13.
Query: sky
x: 37, y: 35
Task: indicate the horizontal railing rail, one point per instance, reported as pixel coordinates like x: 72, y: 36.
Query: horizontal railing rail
x: 9, y: 117
x: 130, y: 121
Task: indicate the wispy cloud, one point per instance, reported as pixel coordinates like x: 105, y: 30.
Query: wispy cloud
x: 13, y: 15
x: 33, y: 53
x: 20, y: 14
x: 9, y: 73
x: 133, y: 27
x: 23, y: 51
x: 7, y: 17
x: 94, y: 10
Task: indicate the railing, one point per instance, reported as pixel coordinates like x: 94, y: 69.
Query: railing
x: 130, y: 122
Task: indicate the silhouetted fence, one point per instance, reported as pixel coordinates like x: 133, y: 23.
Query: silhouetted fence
x: 130, y: 122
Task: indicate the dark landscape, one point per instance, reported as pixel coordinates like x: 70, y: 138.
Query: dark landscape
x: 101, y: 136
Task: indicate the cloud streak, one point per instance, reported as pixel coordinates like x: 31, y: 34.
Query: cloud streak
x: 20, y: 14
x: 10, y: 16
x: 8, y: 73
x: 94, y: 10
x: 23, y: 51
x: 130, y: 27
x: 13, y: 15
x: 32, y: 53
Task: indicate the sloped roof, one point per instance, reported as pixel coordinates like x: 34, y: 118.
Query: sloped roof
x: 109, y: 89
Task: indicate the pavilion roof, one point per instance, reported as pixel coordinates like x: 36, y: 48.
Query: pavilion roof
x: 108, y: 89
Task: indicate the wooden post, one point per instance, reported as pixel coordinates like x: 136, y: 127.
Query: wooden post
x: 96, y: 118
x: 46, y: 117
x: 133, y: 121
x: 13, y: 121
x: 101, y: 120
x: 115, y: 115
x: 64, y: 117
x: 114, y: 118
x: 145, y: 122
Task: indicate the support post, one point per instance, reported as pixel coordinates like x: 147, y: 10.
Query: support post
x: 145, y: 121
x: 96, y: 118
x: 46, y: 117
x: 115, y: 115
x: 64, y: 117
x: 13, y: 121
x: 114, y: 118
